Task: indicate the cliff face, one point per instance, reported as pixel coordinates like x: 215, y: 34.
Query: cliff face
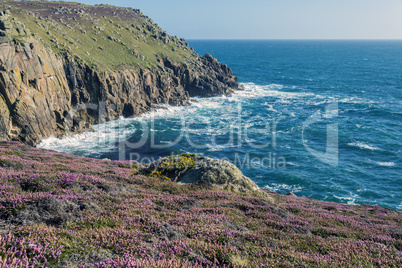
x: 33, y: 87
x: 53, y: 58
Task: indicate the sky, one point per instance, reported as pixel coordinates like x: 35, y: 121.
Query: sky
x: 272, y: 19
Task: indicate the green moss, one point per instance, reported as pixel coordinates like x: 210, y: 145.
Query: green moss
x: 171, y: 164
x: 102, y: 223
x: 12, y: 153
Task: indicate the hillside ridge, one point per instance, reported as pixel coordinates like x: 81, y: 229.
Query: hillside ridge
x: 57, y: 56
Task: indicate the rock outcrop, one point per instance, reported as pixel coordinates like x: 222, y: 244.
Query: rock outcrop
x: 51, y: 211
x: 49, y: 87
x: 217, y: 174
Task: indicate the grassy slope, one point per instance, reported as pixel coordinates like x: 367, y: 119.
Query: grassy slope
x: 104, y: 36
x: 122, y: 218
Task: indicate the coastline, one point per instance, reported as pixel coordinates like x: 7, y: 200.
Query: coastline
x: 61, y: 76
x: 53, y: 85
x: 111, y: 133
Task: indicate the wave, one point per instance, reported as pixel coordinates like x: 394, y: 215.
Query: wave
x: 362, y: 145
x: 106, y: 135
x: 252, y: 90
x: 164, y: 111
x: 349, y: 200
x: 215, y: 148
x: 281, y: 187
x: 279, y: 91
x: 386, y: 164
x: 355, y: 100
x: 360, y: 126
x: 83, y: 144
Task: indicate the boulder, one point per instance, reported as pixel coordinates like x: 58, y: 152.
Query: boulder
x: 217, y: 174
x: 168, y: 232
x: 209, y: 79
x: 51, y: 211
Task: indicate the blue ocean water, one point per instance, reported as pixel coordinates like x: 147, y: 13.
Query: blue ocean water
x: 301, y: 99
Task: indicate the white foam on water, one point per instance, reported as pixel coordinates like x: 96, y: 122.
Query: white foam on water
x: 350, y: 200
x: 101, y: 139
x: 386, y: 164
x: 208, y: 103
x: 270, y: 107
x: 277, y: 187
x: 105, y: 136
x: 362, y: 145
x: 252, y: 90
x: 164, y: 111
x: 355, y: 100
x: 215, y: 148
x: 327, y: 101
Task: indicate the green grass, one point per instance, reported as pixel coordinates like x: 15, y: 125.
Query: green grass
x: 87, y: 37
x: 13, y: 153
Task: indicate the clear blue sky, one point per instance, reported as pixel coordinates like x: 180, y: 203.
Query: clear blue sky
x: 272, y: 19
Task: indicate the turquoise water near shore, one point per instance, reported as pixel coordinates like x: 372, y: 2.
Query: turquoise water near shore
x: 263, y: 128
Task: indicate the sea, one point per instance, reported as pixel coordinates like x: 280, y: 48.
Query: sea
x: 318, y: 118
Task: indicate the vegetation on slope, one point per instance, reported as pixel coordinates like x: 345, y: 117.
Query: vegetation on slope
x: 104, y: 36
x: 67, y: 211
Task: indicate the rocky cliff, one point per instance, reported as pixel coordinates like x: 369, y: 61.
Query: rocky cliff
x: 65, y: 66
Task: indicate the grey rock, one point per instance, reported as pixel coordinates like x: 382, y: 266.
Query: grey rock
x: 396, y: 233
x: 4, y: 118
x: 170, y: 232
x: 210, y: 79
x: 51, y: 211
x: 93, y: 257
x: 235, y: 227
x: 4, y: 39
x: 218, y: 174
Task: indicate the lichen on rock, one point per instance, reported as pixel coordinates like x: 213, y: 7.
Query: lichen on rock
x: 191, y: 168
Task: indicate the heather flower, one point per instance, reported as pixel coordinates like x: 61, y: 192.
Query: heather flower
x: 112, y: 217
